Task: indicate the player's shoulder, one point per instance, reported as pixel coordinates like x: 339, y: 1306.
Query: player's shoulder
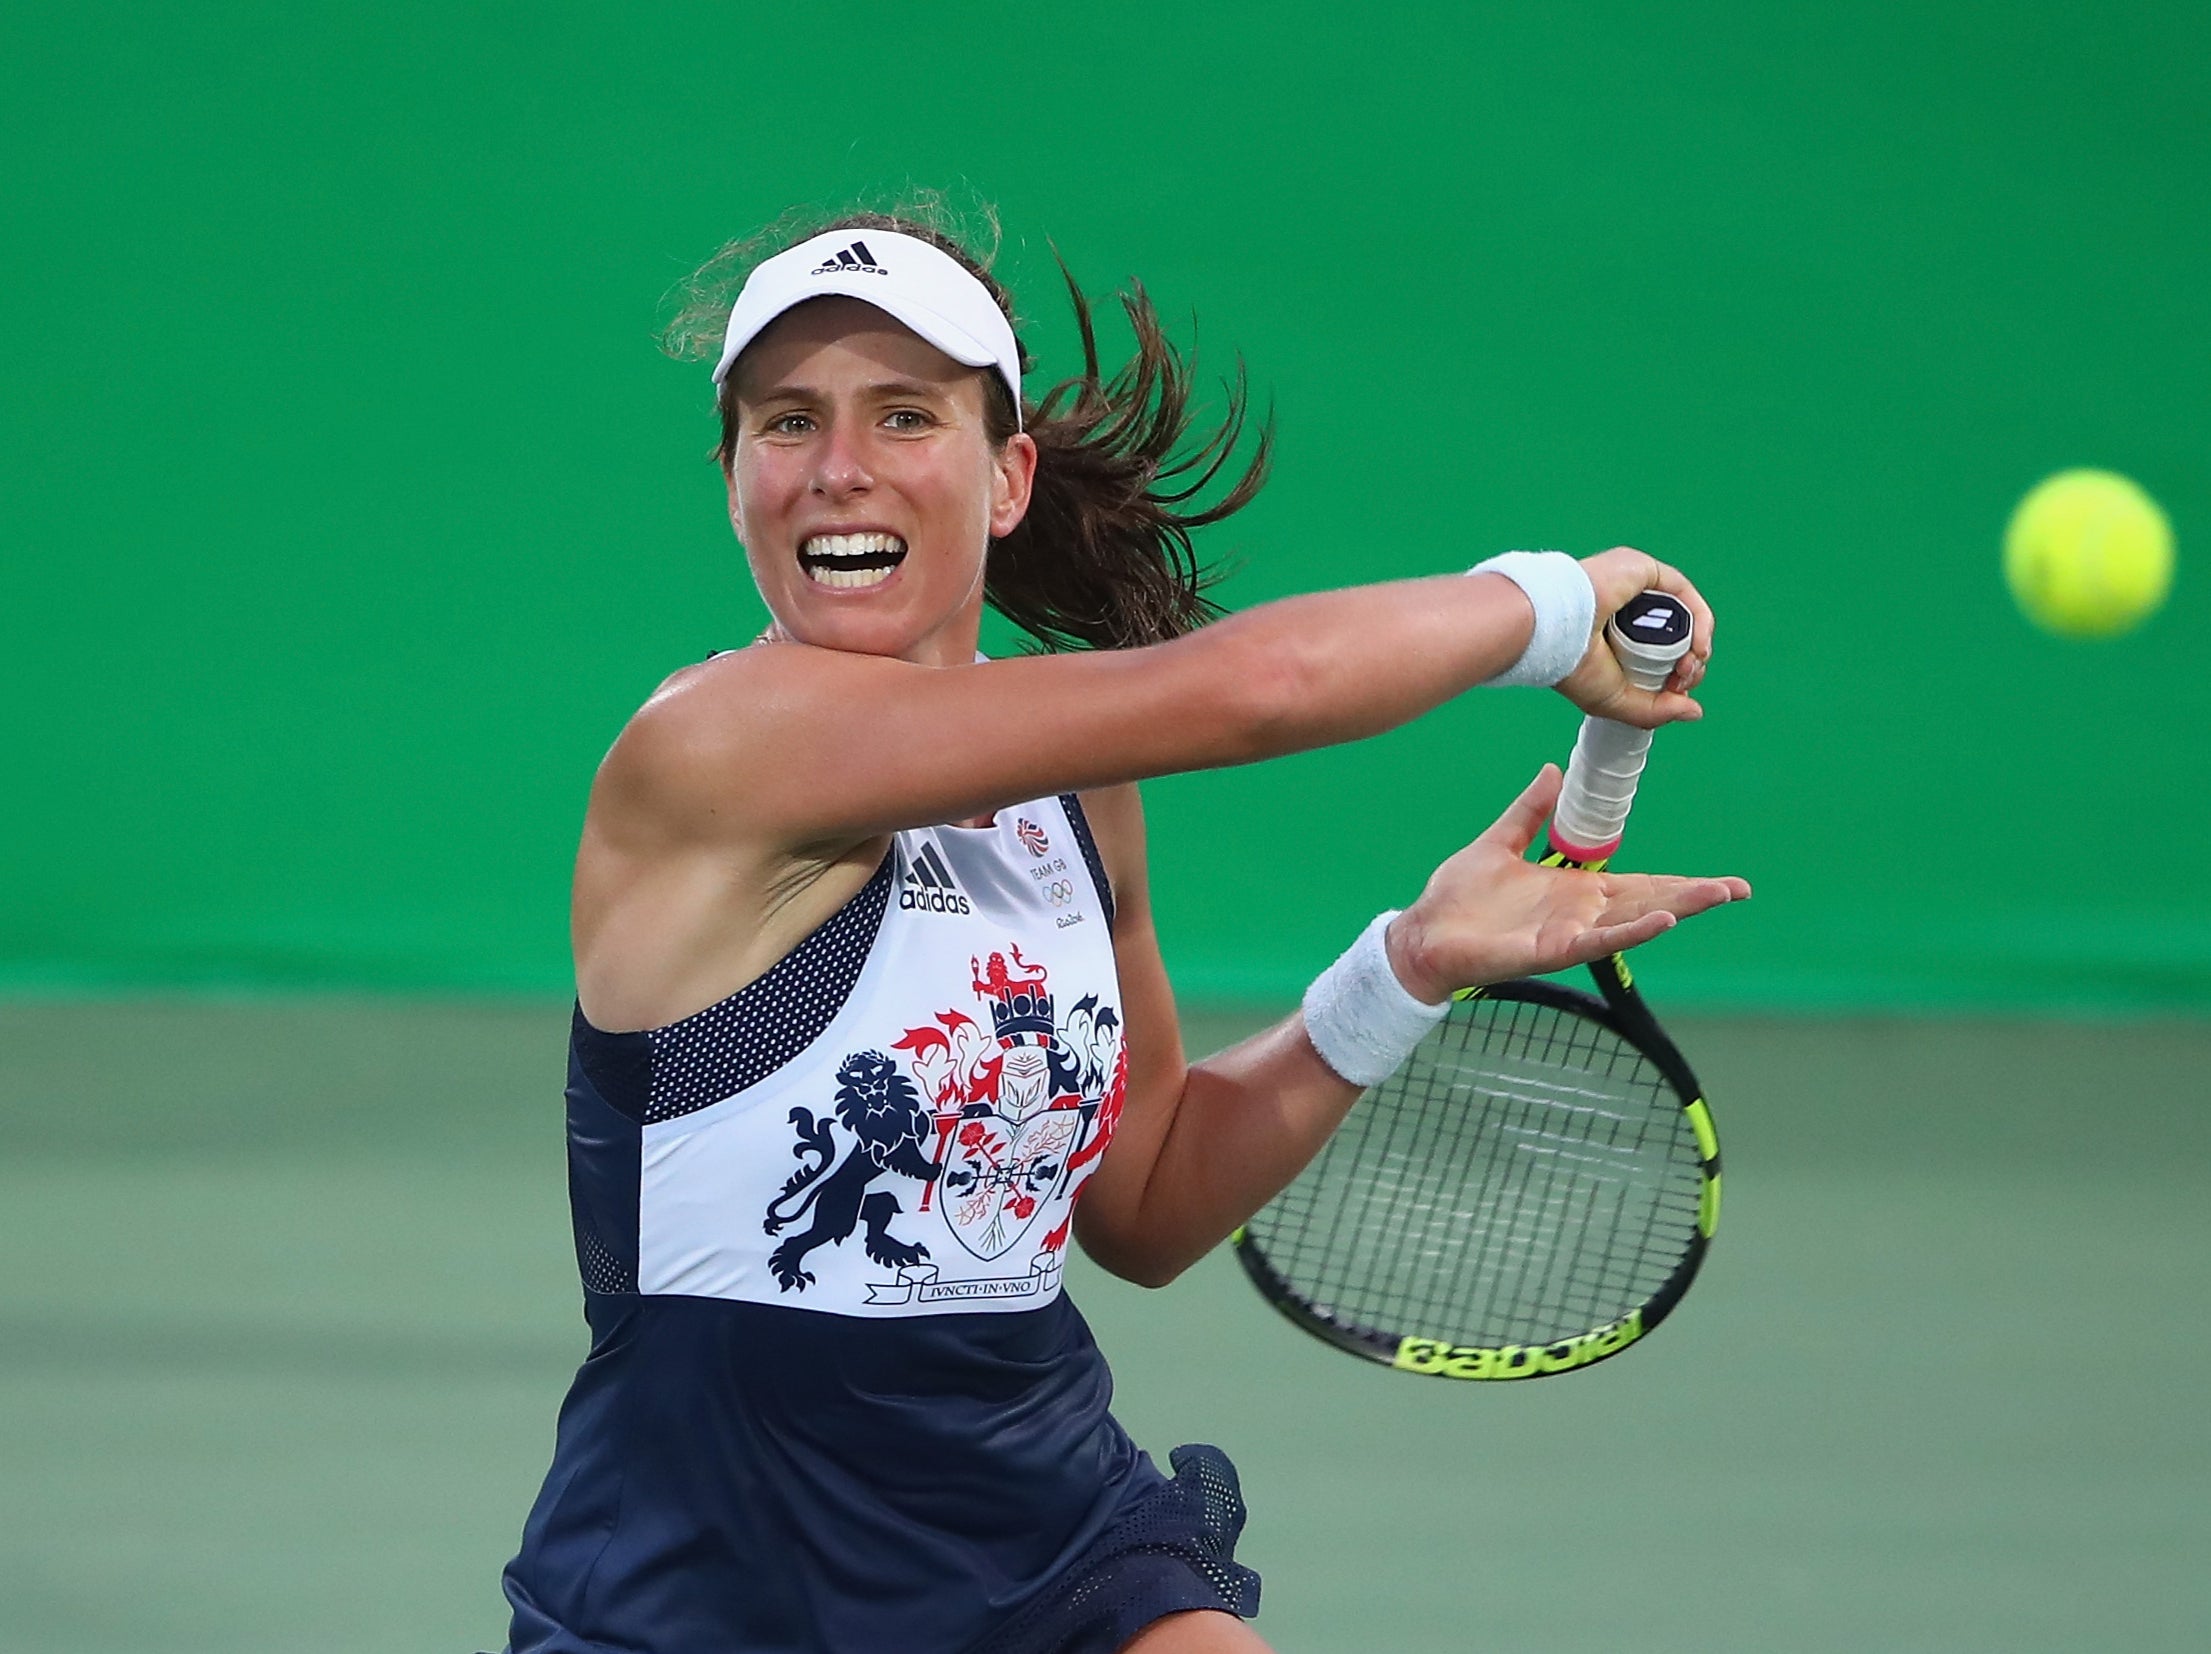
x: 710, y: 721
x: 714, y: 702
x: 762, y: 665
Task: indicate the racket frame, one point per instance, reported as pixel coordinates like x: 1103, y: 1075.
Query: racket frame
x: 1595, y: 797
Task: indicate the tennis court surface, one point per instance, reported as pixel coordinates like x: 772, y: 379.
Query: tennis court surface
x: 289, y: 1307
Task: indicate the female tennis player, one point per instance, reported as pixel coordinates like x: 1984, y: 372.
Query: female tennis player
x: 868, y: 991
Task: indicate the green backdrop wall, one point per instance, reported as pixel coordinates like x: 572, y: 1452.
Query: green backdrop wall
x: 346, y: 508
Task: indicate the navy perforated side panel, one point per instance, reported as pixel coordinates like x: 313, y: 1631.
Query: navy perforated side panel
x: 740, y: 1041
x: 605, y: 1145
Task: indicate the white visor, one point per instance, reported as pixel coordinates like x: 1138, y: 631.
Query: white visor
x: 910, y: 281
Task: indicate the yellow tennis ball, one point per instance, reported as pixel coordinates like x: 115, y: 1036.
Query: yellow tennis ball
x: 2088, y: 554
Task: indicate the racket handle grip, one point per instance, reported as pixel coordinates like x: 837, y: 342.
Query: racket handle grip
x: 1649, y: 634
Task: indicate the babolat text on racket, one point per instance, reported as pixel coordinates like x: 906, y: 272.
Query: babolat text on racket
x: 1535, y: 1188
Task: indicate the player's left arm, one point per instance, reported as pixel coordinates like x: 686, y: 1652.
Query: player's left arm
x: 1201, y: 1146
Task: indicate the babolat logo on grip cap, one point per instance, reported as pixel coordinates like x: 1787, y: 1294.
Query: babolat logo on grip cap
x: 1654, y: 618
x: 929, y: 886
x: 1433, y: 1356
x: 854, y: 260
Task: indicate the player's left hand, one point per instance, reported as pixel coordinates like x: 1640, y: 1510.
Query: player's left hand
x: 1488, y: 914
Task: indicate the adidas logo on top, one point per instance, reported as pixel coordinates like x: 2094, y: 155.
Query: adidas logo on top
x: 929, y: 886
x: 854, y: 260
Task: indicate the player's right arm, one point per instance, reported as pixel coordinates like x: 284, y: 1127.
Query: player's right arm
x: 784, y: 744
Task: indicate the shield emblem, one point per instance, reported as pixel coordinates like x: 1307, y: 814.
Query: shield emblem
x: 999, y: 1173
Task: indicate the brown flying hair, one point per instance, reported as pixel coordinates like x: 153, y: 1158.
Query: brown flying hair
x: 1103, y: 559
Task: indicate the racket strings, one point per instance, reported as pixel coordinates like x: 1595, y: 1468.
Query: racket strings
x: 1528, y: 1175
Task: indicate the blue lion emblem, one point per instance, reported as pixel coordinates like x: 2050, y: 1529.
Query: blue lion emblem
x: 880, y: 1107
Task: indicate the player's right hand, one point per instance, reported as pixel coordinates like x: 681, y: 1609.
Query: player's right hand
x: 1597, y: 685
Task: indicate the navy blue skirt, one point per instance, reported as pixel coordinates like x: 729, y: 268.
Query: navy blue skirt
x: 738, y: 1477
x: 1172, y: 1551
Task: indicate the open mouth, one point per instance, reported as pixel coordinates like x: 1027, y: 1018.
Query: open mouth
x: 851, y: 560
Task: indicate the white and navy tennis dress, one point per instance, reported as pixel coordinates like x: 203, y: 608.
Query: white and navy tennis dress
x: 836, y: 1399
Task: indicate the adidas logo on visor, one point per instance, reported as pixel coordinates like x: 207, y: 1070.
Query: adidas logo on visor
x: 929, y: 886
x: 854, y: 260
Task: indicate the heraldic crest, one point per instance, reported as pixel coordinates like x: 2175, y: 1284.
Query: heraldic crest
x: 993, y: 1127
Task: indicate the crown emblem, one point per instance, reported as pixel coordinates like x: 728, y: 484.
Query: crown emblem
x: 1020, y: 1006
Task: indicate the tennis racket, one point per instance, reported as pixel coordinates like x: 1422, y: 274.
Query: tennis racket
x: 1534, y: 1189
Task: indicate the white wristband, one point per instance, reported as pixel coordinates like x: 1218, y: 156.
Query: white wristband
x: 1565, y: 614
x: 1359, y: 1017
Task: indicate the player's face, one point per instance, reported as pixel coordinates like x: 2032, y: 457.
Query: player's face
x: 864, y: 484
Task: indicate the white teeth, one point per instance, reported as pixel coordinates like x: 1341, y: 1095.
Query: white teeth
x: 851, y: 545
x: 851, y: 560
x: 848, y: 577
